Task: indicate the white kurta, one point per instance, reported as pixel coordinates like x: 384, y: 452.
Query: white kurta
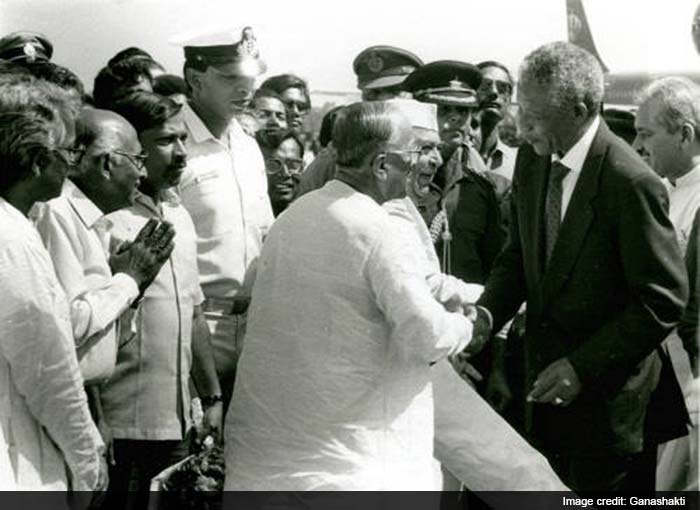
x: 333, y: 388
x: 75, y: 233
x: 43, y: 409
x: 472, y: 441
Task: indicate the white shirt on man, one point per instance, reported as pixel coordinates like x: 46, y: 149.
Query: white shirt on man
x: 684, y: 201
x: 574, y: 160
x: 44, y: 415
x: 76, y: 234
x: 224, y: 188
x: 333, y: 387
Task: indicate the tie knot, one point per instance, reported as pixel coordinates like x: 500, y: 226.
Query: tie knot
x: 558, y: 171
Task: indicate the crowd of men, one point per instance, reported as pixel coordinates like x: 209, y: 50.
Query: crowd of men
x: 336, y: 307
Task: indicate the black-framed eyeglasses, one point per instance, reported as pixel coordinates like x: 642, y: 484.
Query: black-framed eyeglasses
x: 138, y: 160
x: 71, y: 155
x: 291, y: 166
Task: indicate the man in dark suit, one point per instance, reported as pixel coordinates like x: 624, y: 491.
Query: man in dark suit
x: 592, y: 251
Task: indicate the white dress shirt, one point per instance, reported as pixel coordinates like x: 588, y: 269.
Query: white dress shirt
x: 224, y: 188
x: 684, y: 201
x: 501, y: 160
x: 44, y: 415
x: 333, y: 386
x: 573, y: 160
x: 148, y: 396
x: 76, y: 234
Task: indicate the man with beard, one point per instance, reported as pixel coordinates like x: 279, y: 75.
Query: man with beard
x: 224, y: 187
x: 147, y: 400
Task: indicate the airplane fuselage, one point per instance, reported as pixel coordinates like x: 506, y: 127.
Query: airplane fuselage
x: 625, y: 88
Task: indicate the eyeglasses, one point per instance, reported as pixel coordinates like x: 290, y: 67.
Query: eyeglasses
x: 292, y: 166
x: 138, y: 160
x: 71, y: 155
x: 424, y: 151
x: 502, y: 87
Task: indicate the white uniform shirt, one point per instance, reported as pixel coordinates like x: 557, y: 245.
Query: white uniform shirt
x: 76, y: 234
x: 148, y: 396
x: 684, y: 201
x: 43, y: 409
x: 224, y: 188
x: 333, y: 386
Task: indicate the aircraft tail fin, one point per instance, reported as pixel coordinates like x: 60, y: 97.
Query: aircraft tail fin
x: 579, y: 31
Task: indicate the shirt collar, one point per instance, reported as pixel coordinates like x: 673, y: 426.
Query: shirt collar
x: 168, y: 196
x: 689, y: 179
x: 199, y: 132
x: 86, y: 209
x: 14, y: 213
x: 576, y: 155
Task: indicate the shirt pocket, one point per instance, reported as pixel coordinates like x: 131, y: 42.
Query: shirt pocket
x: 211, y: 198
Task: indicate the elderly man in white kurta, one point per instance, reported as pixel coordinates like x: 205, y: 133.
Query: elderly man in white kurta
x: 49, y: 436
x: 334, y: 381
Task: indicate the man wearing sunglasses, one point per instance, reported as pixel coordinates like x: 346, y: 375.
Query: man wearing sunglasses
x: 106, y: 169
x: 223, y: 186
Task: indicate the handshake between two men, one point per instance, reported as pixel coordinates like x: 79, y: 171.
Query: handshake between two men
x: 557, y: 384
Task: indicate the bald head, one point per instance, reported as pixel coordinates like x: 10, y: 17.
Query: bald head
x: 111, y: 169
x: 105, y: 130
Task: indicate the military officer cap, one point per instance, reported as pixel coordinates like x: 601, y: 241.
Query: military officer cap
x: 446, y: 82
x: 237, y: 50
x: 25, y: 46
x: 383, y: 66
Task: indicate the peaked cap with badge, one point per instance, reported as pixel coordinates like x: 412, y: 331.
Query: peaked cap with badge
x: 25, y: 47
x: 383, y: 66
x: 237, y: 50
x: 446, y: 82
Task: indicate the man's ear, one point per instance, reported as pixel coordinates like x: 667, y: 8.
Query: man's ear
x: 581, y: 110
x: 688, y: 134
x: 379, y: 166
x: 193, y: 78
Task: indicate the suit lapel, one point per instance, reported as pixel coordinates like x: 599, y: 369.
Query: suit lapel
x: 577, y: 220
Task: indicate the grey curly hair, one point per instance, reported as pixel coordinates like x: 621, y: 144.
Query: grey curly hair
x: 571, y: 74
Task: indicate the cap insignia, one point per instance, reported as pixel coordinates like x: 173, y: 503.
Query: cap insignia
x: 30, y: 52
x: 249, y: 44
x: 456, y: 84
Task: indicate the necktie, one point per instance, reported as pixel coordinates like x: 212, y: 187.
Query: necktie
x: 552, y: 213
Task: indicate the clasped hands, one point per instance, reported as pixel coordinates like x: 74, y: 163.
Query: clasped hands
x: 481, y: 332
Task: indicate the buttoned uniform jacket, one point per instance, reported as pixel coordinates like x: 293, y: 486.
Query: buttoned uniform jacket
x: 471, y: 196
x: 614, y: 288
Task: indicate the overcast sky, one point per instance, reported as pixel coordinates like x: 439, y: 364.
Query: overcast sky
x: 319, y: 39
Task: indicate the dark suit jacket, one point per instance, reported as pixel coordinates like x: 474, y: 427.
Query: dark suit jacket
x: 614, y: 288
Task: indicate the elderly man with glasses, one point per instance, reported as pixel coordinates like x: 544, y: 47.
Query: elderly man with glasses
x: 107, y: 167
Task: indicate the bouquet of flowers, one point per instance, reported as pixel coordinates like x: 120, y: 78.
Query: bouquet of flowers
x: 195, y: 482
